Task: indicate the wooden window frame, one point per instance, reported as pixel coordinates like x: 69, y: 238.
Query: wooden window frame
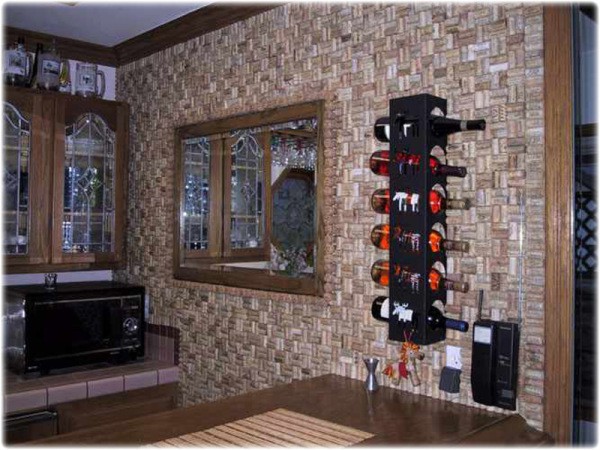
x: 193, y: 265
x: 559, y: 191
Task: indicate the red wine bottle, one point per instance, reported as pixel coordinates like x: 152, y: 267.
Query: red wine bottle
x: 436, y: 319
x: 380, y: 309
x: 438, y: 242
x: 379, y: 163
x: 438, y: 202
x: 382, y: 129
x: 380, y: 201
x: 437, y: 282
x: 437, y: 168
x: 380, y: 236
x: 442, y: 126
x: 380, y: 272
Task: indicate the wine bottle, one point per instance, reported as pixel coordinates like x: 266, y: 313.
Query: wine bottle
x: 437, y: 282
x: 380, y: 236
x: 380, y: 272
x: 436, y: 320
x: 379, y: 163
x: 438, y: 242
x: 438, y: 202
x: 380, y: 309
x: 39, y: 49
x: 382, y: 129
x: 380, y: 201
x: 64, y: 78
x: 442, y: 126
x: 437, y: 168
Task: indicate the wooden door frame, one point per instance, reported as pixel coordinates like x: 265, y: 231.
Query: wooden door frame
x: 559, y: 191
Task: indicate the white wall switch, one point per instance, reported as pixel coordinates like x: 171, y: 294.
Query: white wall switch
x: 453, y: 358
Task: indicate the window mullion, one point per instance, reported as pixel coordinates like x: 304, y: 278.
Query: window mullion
x: 226, y: 190
x: 216, y: 199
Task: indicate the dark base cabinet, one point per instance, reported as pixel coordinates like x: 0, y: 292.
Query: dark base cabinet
x: 23, y: 427
x: 83, y: 414
x: 115, y: 408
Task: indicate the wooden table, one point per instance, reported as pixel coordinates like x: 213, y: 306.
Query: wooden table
x: 393, y: 416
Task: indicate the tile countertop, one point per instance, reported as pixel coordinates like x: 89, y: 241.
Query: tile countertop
x: 23, y: 394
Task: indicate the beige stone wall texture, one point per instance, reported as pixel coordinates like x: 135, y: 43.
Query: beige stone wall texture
x: 486, y: 59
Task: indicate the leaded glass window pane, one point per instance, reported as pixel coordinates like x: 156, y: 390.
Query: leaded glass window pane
x: 89, y: 186
x: 196, y: 204
x: 247, y: 190
x: 17, y: 150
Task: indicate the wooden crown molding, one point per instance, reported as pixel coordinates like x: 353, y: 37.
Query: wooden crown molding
x: 66, y: 47
x: 204, y: 20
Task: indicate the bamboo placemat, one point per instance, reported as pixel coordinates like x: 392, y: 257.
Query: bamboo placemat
x: 277, y: 428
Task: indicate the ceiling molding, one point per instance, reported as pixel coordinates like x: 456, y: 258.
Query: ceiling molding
x: 66, y: 47
x: 204, y: 20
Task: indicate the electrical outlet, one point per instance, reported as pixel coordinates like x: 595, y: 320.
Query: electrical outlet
x: 453, y: 358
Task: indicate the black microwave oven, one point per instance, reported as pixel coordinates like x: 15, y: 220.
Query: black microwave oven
x: 74, y: 324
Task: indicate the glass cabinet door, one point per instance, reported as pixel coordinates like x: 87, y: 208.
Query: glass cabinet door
x: 88, y: 220
x: 65, y: 161
x: 17, y: 154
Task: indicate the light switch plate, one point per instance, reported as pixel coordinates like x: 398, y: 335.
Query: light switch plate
x: 453, y: 358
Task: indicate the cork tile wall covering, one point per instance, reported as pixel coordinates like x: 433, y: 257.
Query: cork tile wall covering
x: 486, y: 59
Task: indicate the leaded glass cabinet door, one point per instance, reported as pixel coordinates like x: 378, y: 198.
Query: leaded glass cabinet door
x: 26, y: 179
x: 89, y: 162
x: 247, y: 218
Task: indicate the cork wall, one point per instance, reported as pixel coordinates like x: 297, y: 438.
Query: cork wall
x: 486, y: 59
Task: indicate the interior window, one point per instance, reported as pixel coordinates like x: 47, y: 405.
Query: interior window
x: 249, y: 199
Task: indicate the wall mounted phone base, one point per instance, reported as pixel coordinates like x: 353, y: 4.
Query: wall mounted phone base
x: 495, y: 363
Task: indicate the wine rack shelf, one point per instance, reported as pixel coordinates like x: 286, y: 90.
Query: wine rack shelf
x: 410, y: 132
x: 416, y: 202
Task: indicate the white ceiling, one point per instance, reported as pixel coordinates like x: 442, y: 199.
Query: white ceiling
x: 100, y: 23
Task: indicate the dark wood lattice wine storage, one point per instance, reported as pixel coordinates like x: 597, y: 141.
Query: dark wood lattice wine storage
x: 416, y: 201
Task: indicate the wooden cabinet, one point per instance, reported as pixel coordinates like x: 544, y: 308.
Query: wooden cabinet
x: 115, y: 408
x: 65, y: 160
x: 30, y: 426
x: 82, y: 414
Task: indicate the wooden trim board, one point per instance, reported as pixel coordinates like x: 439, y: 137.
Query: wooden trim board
x: 204, y: 20
x: 559, y: 312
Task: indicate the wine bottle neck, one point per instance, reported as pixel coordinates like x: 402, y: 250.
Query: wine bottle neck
x: 459, y: 246
x: 451, y: 171
x: 458, y: 204
x: 456, y: 286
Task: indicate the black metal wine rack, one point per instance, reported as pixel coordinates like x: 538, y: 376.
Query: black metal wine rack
x: 410, y: 132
